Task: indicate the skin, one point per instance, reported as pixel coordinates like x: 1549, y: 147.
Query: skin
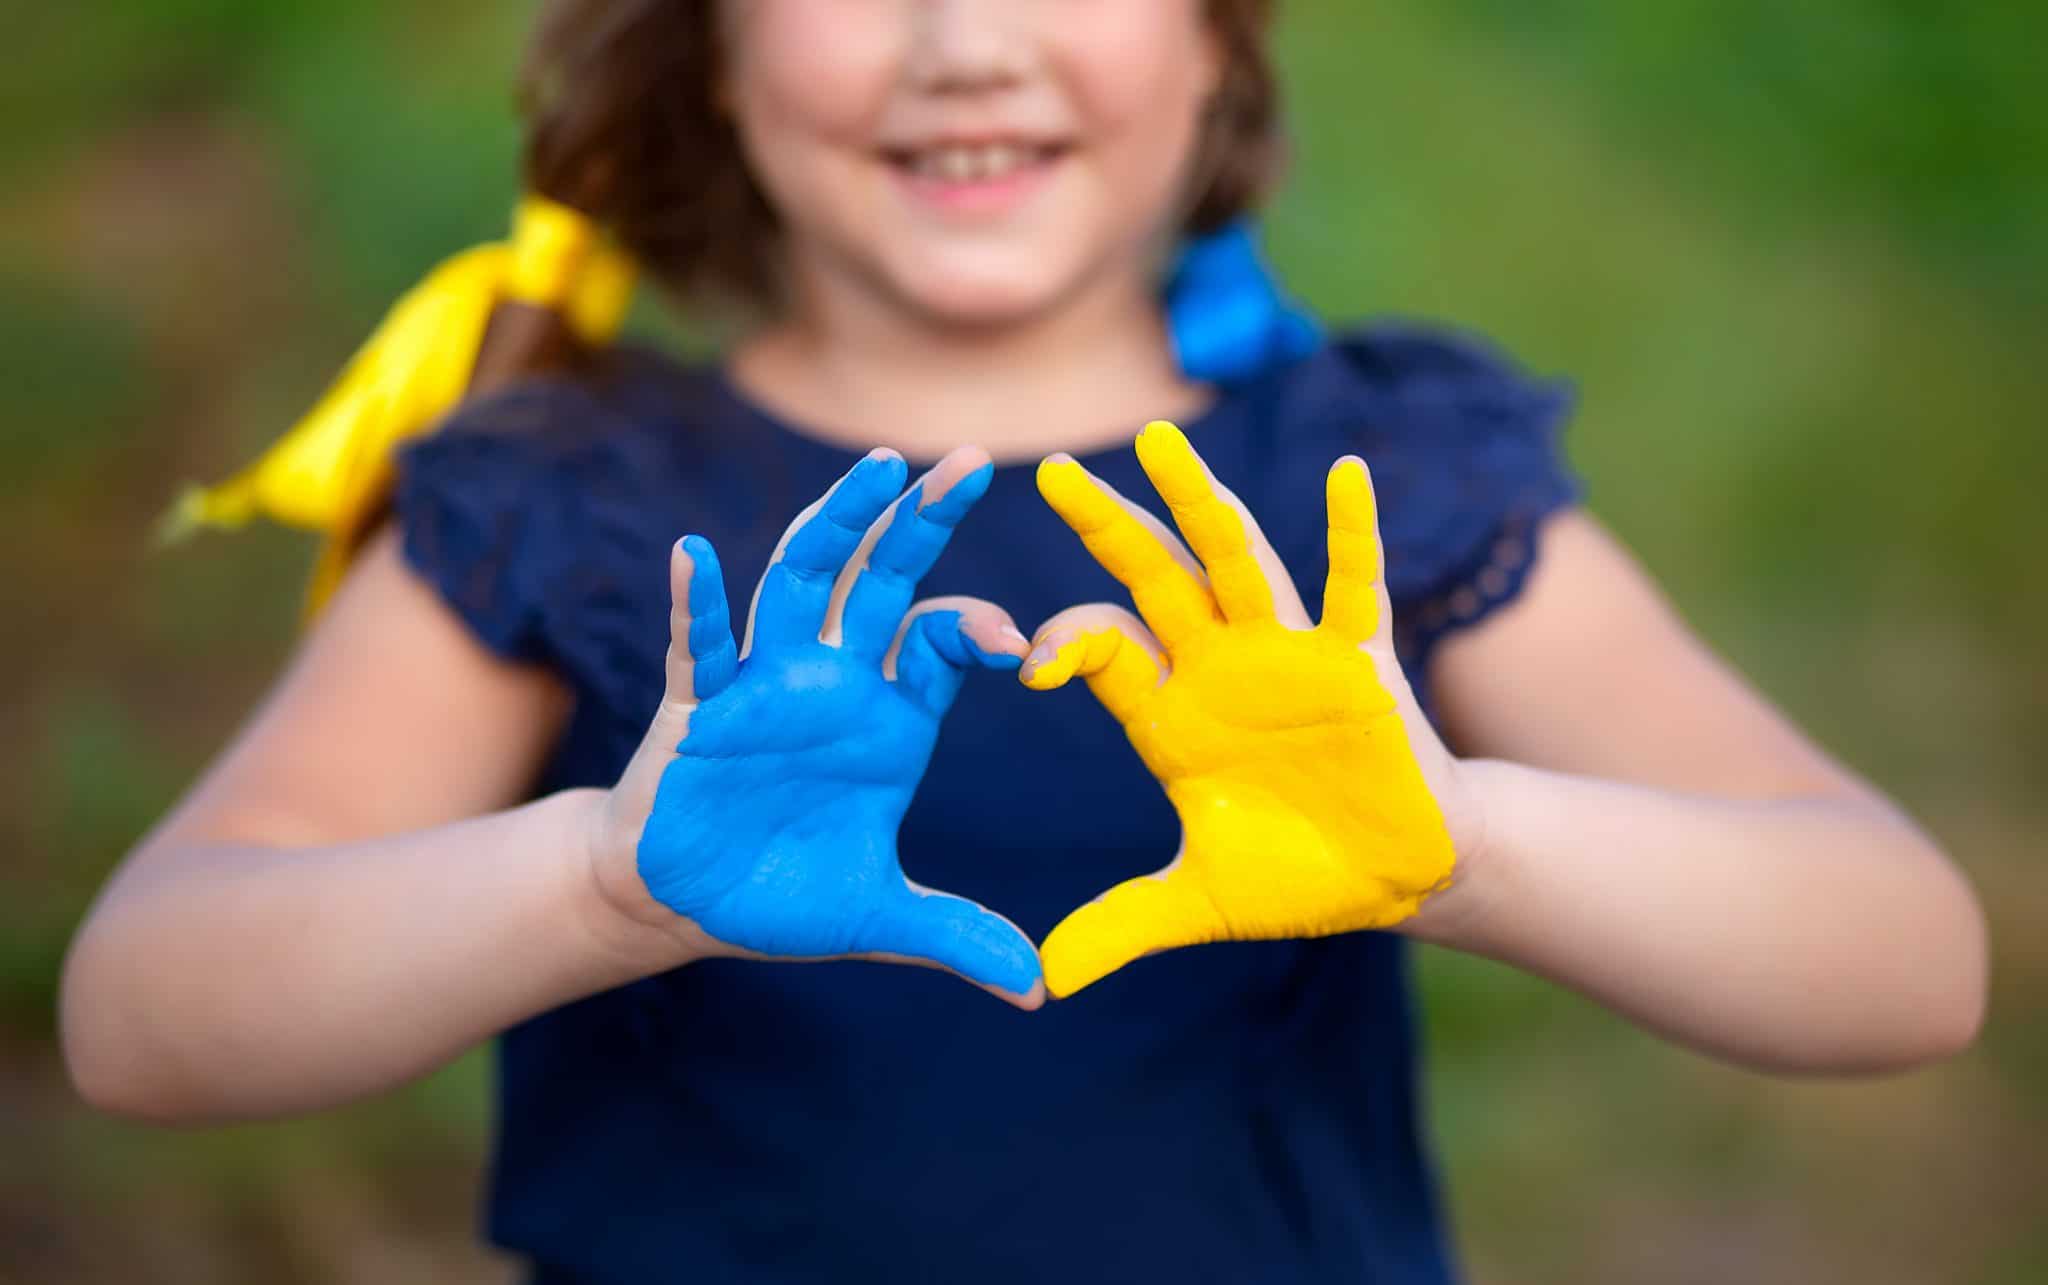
x: 1710, y: 874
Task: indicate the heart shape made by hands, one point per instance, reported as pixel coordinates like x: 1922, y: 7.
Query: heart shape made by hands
x: 766, y: 801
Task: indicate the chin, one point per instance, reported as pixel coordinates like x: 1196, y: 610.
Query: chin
x: 984, y: 294
x: 983, y: 307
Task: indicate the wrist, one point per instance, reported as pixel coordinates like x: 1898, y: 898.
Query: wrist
x: 1455, y: 914
x: 624, y: 920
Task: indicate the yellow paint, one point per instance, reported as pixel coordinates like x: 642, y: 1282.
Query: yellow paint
x: 1303, y: 809
x: 332, y: 470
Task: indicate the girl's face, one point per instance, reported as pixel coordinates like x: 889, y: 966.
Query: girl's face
x: 977, y: 162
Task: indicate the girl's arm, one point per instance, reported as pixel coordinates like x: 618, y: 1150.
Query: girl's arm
x: 1677, y: 850
x: 1655, y: 835
x: 315, y: 922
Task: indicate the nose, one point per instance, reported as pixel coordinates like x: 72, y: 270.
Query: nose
x: 969, y: 46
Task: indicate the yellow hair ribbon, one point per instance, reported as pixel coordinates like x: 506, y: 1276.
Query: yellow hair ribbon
x: 332, y: 469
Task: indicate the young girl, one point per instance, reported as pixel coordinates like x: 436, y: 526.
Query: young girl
x: 530, y: 776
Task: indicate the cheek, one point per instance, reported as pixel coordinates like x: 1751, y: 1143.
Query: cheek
x: 810, y: 78
x: 1139, y: 72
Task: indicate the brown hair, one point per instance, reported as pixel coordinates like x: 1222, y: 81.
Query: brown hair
x: 623, y: 123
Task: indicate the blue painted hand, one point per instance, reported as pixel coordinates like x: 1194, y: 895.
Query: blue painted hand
x: 774, y: 779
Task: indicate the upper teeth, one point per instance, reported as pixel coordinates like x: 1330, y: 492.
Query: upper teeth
x: 966, y: 164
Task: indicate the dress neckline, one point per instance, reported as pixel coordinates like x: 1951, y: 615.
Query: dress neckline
x: 1225, y: 410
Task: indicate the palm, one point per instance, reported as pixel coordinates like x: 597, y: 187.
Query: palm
x: 1304, y: 809
x: 1326, y: 855
x: 765, y: 804
x: 811, y: 805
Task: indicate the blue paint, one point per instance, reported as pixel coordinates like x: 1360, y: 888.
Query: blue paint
x: 1226, y: 315
x: 774, y: 828
x: 713, y: 656
x: 936, y: 656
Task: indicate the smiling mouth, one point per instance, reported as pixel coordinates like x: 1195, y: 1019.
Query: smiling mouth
x: 972, y: 162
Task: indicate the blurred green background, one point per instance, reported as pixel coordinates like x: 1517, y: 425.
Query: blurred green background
x: 1793, y: 254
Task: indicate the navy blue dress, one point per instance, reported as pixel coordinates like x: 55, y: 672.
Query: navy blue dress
x: 1231, y: 1113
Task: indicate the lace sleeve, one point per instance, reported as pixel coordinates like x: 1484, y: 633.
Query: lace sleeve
x: 1475, y: 463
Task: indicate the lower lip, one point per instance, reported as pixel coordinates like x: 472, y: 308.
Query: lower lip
x: 981, y: 197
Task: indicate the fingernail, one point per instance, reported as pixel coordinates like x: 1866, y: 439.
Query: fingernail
x: 1013, y: 633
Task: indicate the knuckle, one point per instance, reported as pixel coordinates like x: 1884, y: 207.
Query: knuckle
x: 846, y: 524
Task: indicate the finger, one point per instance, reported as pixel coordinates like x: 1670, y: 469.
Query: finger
x: 1271, y: 574
x: 1354, y: 595
x: 881, y: 579
x: 1132, y: 546
x: 1216, y: 529
x: 942, y: 639
x: 956, y: 934
x: 702, y: 658
x: 793, y: 597
x: 1137, y: 917
x: 1106, y: 645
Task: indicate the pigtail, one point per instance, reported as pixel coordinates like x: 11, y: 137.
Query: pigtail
x: 564, y: 163
x: 566, y: 290
x: 546, y: 300
x: 1241, y: 152
x: 333, y: 471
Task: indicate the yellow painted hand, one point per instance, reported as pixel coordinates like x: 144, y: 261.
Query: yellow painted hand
x: 1285, y: 747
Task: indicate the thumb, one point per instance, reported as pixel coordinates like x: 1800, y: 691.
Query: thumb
x: 1139, y: 916
x: 956, y: 934
x: 702, y: 662
x: 1104, y: 644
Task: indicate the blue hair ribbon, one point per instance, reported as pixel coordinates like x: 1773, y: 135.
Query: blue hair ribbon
x: 1226, y: 314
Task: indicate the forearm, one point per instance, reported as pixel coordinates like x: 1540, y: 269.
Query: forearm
x: 234, y: 982
x: 1817, y: 934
